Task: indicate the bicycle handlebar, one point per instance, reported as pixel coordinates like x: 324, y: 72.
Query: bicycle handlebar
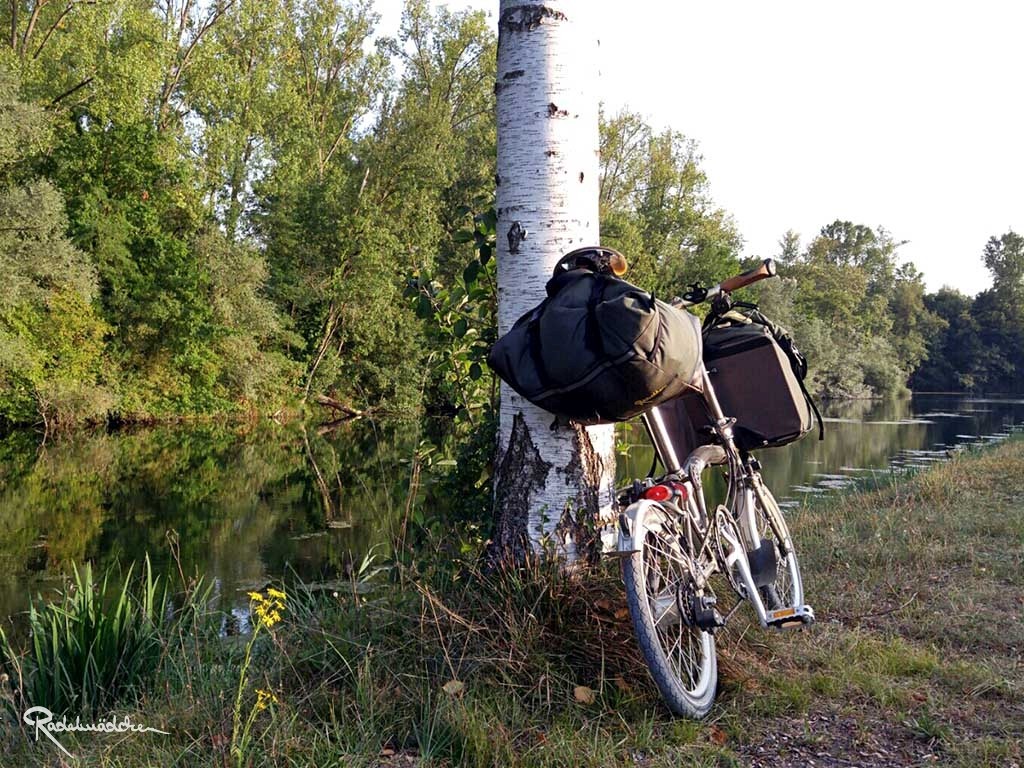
x: 765, y: 269
x: 606, y: 260
x: 698, y: 295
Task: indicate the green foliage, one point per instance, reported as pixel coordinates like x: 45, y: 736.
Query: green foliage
x: 345, y: 222
x: 979, y: 345
x: 656, y: 208
x: 461, y: 325
x: 1004, y: 258
x: 216, y: 208
x: 857, y: 313
x: 51, y: 340
x: 250, y: 336
x: 95, y: 646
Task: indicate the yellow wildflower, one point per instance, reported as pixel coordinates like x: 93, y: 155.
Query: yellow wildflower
x: 268, y: 610
x: 264, y: 699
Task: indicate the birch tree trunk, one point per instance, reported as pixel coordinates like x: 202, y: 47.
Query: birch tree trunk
x: 554, y: 486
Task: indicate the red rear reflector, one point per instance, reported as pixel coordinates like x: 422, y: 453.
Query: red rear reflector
x: 658, y: 493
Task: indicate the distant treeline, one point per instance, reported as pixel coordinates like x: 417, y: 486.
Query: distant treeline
x: 230, y: 207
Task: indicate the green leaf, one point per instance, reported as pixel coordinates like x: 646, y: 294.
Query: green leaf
x: 475, y: 371
x: 461, y: 326
x: 489, y: 220
x: 463, y: 236
x: 471, y: 272
x: 424, y: 309
x: 485, y: 254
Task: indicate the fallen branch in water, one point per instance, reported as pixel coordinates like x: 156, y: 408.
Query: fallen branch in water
x: 337, y: 405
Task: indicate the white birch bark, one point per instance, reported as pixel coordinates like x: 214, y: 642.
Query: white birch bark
x: 551, y: 485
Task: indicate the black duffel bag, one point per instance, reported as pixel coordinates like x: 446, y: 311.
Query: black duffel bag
x: 598, y: 349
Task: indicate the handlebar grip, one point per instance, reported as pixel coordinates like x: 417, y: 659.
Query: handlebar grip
x: 764, y: 270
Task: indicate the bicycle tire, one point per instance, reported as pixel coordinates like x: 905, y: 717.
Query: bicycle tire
x: 693, y: 695
x: 787, y: 589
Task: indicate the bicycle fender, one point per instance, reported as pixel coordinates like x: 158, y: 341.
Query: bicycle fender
x: 628, y: 520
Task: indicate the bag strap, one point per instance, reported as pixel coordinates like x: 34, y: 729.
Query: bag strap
x: 814, y: 407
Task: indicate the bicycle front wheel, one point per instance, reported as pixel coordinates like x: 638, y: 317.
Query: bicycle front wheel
x: 658, y: 579
x: 784, y: 587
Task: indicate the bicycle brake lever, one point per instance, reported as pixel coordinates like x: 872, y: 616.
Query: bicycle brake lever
x: 695, y: 294
x: 721, y: 304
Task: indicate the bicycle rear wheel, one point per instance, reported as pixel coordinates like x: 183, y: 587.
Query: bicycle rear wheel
x: 659, y: 587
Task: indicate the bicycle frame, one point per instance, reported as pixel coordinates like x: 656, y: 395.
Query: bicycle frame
x: 745, y: 491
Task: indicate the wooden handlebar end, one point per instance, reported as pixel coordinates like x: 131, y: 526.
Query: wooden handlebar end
x: 765, y: 270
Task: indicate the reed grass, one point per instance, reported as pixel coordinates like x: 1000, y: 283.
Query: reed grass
x: 96, y: 645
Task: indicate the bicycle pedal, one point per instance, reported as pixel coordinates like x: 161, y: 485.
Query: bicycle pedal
x: 787, y: 618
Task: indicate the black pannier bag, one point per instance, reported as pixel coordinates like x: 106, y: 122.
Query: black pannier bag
x: 598, y: 349
x: 757, y: 373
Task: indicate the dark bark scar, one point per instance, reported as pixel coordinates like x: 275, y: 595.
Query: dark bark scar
x: 522, y: 472
x: 516, y: 235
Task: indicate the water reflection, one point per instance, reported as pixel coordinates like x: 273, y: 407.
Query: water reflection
x: 247, y: 504
x: 864, y: 437
x: 244, y: 504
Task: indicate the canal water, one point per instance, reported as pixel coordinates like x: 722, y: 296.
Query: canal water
x: 245, y: 504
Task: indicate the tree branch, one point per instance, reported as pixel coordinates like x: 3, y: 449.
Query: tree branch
x: 31, y: 24
x: 165, y: 97
x: 334, y: 147
x: 56, y: 24
x: 14, y: 25
x: 70, y: 91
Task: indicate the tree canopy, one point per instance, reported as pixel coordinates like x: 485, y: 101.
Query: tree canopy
x: 216, y: 208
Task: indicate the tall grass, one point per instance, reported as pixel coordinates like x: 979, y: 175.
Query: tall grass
x: 98, y: 643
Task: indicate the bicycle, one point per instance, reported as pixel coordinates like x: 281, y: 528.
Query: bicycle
x: 672, y: 545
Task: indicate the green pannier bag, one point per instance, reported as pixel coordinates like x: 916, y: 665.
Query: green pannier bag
x: 598, y: 349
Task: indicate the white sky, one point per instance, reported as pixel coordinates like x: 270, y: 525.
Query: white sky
x: 905, y: 114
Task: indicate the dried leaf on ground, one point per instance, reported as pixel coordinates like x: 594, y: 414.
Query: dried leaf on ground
x: 584, y: 695
x: 454, y: 687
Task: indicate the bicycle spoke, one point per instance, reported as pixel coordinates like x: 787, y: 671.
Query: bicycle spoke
x: 661, y: 581
x: 667, y: 567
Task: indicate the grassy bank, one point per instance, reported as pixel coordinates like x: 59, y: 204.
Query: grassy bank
x: 916, y: 659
